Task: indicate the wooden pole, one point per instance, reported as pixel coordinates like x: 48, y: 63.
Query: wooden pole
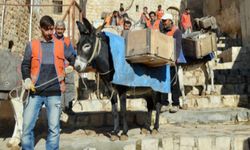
x: 73, y: 24
x: 68, y: 10
x: 30, y: 25
x: 2, y: 21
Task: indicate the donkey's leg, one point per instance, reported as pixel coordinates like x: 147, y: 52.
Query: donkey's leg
x: 182, y: 88
x: 123, y: 102
x: 211, y: 75
x: 206, y: 74
x: 18, y: 112
x: 146, y: 129
x: 157, y: 104
x: 115, y: 114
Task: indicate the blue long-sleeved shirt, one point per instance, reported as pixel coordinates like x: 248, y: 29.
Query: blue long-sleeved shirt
x: 47, y: 68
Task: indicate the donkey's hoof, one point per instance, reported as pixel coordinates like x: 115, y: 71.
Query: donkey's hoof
x: 114, y: 138
x: 15, y: 147
x: 184, y: 106
x: 154, y: 132
x: 13, y: 142
x: 144, y: 131
x: 124, y: 137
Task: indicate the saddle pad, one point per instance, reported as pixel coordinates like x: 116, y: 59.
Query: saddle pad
x: 136, y: 75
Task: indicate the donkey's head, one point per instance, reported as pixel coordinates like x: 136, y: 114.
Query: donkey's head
x: 85, y: 45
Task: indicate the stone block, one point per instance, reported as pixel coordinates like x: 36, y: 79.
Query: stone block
x: 190, y: 81
x: 241, y: 143
x: 230, y: 101
x: 205, y: 143
x: 89, y: 148
x: 149, y: 144
x: 129, y: 147
x: 168, y: 143
x: 215, y: 100
x: 186, y: 147
x: 230, y: 55
x: 138, y: 104
x: 203, y: 102
x: 222, y: 143
x: 187, y: 141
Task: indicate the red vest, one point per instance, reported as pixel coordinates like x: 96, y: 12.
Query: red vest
x: 172, y: 31
x: 67, y: 41
x: 59, y: 59
x: 159, y: 14
x: 155, y: 25
x: 186, y: 21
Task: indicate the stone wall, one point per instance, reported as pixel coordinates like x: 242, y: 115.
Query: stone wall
x: 245, y: 22
x: 227, y: 14
x: 16, y: 26
x: 96, y: 7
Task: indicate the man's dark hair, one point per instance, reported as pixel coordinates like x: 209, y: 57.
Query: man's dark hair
x: 125, y: 15
x: 145, y: 7
x: 159, y: 6
x: 46, y: 21
x: 128, y: 22
x: 187, y: 9
x: 115, y: 11
x: 152, y: 12
x: 121, y: 9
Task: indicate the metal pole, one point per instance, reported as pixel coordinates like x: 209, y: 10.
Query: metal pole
x: 2, y: 22
x: 30, y: 25
x: 69, y: 24
x: 35, y: 5
x: 73, y: 24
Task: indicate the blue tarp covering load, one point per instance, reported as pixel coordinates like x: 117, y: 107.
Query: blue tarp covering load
x: 136, y: 75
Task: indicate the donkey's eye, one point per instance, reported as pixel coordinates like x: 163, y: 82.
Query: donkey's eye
x: 86, y: 47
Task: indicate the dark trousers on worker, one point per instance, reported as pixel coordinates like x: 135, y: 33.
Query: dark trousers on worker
x: 175, y: 88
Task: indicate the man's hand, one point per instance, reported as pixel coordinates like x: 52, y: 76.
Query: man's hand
x: 28, y: 85
x: 69, y: 69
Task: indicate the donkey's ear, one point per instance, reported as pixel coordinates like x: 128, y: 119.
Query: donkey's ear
x: 82, y: 28
x: 88, y: 25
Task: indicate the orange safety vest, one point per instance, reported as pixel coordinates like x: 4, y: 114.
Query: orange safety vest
x: 67, y: 41
x: 186, y: 21
x: 155, y: 25
x: 108, y: 20
x: 172, y: 31
x: 58, y: 61
x: 159, y: 14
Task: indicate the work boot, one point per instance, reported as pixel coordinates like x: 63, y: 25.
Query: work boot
x: 174, y: 109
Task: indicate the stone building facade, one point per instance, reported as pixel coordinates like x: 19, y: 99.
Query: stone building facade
x: 231, y: 15
x: 16, y: 25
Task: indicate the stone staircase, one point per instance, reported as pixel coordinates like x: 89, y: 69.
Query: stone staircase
x: 217, y: 121
x: 214, y: 121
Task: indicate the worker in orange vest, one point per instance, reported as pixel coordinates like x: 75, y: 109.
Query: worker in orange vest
x: 170, y: 29
x: 186, y: 23
x: 114, y: 20
x: 43, y: 72
x: 69, y: 95
x: 153, y: 22
x: 159, y: 12
x: 59, y: 34
x: 144, y: 16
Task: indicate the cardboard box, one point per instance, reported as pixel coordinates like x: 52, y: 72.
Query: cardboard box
x: 198, y: 45
x: 150, y: 47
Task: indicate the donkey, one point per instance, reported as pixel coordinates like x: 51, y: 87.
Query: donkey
x: 94, y: 46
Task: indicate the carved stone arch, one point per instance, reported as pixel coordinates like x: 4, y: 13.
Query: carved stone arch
x: 176, y: 14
